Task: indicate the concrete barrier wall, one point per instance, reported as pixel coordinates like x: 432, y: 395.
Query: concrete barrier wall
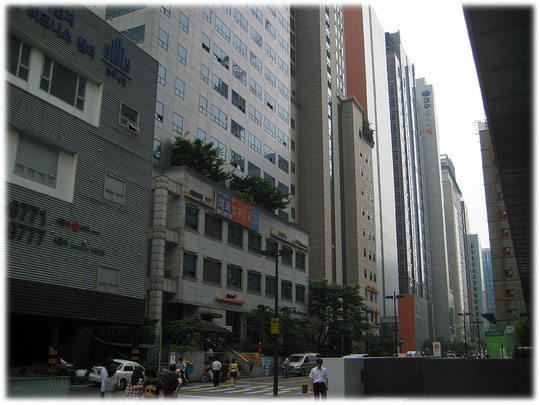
x: 38, y: 387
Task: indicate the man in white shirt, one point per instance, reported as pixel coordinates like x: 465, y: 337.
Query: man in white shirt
x: 216, y: 370
x: 319, y: 380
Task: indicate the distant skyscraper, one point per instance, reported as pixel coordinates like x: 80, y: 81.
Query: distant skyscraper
x: 488, y: 285
x: 429, y: 141
x: 480, y: 302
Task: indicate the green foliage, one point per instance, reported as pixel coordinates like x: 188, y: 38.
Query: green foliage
x: 368, y: 132
x: 181, y: 335
x: 521, y: 335
x: 257, y: 191
x: 202, y: 157
x: 291, y: 331
x: 336, y: 310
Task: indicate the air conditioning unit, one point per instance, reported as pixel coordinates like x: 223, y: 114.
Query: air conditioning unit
x: 132, y: 126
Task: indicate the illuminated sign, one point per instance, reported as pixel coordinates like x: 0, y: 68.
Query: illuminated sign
x: 200, y: 198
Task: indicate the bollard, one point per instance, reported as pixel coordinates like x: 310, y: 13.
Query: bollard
x: 304, y: 388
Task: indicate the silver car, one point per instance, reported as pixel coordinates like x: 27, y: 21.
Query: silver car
x: 302, y: 363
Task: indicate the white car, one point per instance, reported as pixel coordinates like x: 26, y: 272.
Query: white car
x: 124, y: 370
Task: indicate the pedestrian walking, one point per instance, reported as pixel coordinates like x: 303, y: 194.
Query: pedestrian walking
x: 135, y: 385
x: 181, y: 369
x: 172, y: 382
x: 234, y: 372
x: 153, y: 388
x: 216, y: 370
x: 286, y: 367
x: 319, y: 380
x: 110, y: 382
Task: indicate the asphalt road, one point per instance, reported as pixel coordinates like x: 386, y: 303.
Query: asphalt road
x: 246, y: 387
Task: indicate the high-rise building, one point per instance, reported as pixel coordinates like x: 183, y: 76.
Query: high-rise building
x: 78, y: 172
x: 412, y: 244
x: 367, y: 81
x: 429, y: 140
x: 508, y: 295
x: 488, y: 288
x: 479, y: 294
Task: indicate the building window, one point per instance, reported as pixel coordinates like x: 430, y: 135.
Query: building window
x: 270, y: 286
x: 270, y: 29
x: 178, y: 123
x: 505, y: 233
x: 255, y: 62
x: 184, y: 22
x: 115, y: 189
x: 286, y: 259
x: 192, y: 217
x: 240, y: 74
x: 506, y: 251
x: 270, y: 52
x: 256, y: 37
x: 283, y: 139
x: 269, y: 179
x: 283, y: 22
x: 18, y: 58
x: 283, y: 114
x: 253, y: 170
x: 286, y: 290
x: 190, y: 265
x: 221, y: 57
x: 211, y: 271
x: 108, y: 279
x: 205, y: 42
x: 257, y: 13
x: 254, y: 242
x: 166, y: 10
x: 179, y: 89
x: 234, y: 277
x: 111, y: 12
x: 207, y: 14
x: 237, y: 161
x: 293, y: 166
x: 240, y: 46
x: 163, y: 39
x: 135, y: 34
x: 36, y: 161
x: 219, y: 117
x: 300, y: 293
x: 255, y: 88
x: 283, y: 164
x: 293, y: 189
x: 182, y: 55
x: 270, y: 77
x: 238, y: 130
x: 510, y: 293
x: 271, y: 245
x: 293, y: 213
x: 254, y: 142
x: 255, y: 115
x: 283, y: 67
x: 235, y: 236
x: 204, y: 73
x: 212, y: 226
x: 269, y: 127
x: 241, y: 20
x: 269, y: 154
x: 283, y: 90
x: 238, y: 101
x: 283, y: 188
x: 162, y: 72
x: 222, y: 28
x: 508, y: 274
x: 300, y: 260
x: 254, y: 282
x: 201, y: 135
x: 283, y: 44
x: 157, y: 149
x: 222, y: 148
x: 270, y: 102
x: 61, y: 82
x: 203, y: 105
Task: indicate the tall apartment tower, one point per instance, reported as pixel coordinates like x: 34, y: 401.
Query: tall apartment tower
x: 367, y: 81
x: 467, y: 276
x: 413, y: 247
x: 508, y: 295
x: 457, y: 270
x: 488, y: 288
x: 439, y: 290
x: 479, y: 293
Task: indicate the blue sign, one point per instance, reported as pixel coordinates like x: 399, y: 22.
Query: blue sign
x: 426, y: 93
x: 224, y: 204
x: 255, y: 219
x: 441, y: 339
x: 115, y: 53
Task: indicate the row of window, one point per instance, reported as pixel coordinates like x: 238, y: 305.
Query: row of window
x: 213, y: 227
x: 211, y: 273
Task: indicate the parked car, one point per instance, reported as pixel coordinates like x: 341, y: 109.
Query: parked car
x: 124, y: 370
x: 302, y: 363
x: 450, y: 356
x: 62, y: 368
x: 356, y: 355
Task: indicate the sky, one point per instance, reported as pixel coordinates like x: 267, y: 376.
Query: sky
x: 435, y: 39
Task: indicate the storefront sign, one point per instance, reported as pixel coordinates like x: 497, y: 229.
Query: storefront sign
x: 241, y: 212
x: 233, y: 300
x: 235, y: 209
x: 21, y: 215
x: 200, y: 198
x: 76, y: 226
x: 223, y: 204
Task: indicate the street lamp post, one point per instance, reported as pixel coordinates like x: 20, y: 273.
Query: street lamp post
x: 464, y: 314
x: 395, y: 297
x: 276, y: 253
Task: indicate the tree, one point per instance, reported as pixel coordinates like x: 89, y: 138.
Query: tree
x: 181, y: 335
x: 336, y: 311
x: 257, y: 191
x: 367, y: 132
x: 521, y: 334
x: 202, y: 157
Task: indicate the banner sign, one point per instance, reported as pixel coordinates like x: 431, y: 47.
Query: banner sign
x: 224, y: 204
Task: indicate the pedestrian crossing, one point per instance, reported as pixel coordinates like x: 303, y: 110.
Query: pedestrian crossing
x: 265, y: 390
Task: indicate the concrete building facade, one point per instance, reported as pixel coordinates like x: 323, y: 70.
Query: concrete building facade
x: 480, y: 302
x: 78, y: 174
x: 488, y: 287
x: 508, y: 295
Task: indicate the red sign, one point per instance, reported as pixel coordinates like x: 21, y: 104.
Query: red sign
x: 241, y: 212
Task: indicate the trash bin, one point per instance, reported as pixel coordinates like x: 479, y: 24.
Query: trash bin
x: 189, y: 367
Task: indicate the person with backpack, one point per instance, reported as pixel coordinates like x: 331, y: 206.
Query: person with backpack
x: 172, y: 382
